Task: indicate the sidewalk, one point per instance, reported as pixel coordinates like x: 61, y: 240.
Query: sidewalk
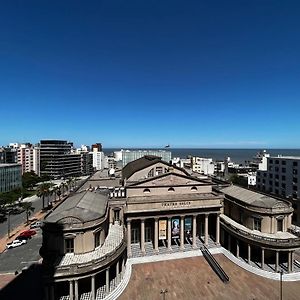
x: 36, y: 217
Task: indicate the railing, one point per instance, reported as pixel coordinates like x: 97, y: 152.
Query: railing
x: 256, y: 237
x: 214, y: 264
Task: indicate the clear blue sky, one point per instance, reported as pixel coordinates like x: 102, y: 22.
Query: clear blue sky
x: 216, y: 74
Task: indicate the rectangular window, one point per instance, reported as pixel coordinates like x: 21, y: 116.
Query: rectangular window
x: 97, y: 238
x: 276, y: 176
x: 276, y: 161
x: 295, y: 171
x: 283, y: 162
x: 257, y: 224
x: 271, y: 175
x: 271, y: 161
x: 283, y: 177
x: 295, y: 179
x: 69, y: 245
x: 295, y: 163
x: 283, y: 170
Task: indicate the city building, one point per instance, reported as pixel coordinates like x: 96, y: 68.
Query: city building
x: 159, y: 209
x: 281, y: 176
x: 98, y: 159
x: 201, y: 165
x: 57, y: 159
x: 8, y: 155
x: 10, y: 177
x: 131, y: 155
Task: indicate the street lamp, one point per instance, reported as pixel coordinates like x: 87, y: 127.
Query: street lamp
x: 8, y: 223
x: 163, y: 292
x: 281, y: 273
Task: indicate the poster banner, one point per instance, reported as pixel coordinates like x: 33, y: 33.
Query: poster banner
x: 162, y: 228
x: 175, y: 228
x: 188, y: 227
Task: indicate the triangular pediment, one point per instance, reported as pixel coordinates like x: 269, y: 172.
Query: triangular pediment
x: 170, y: 179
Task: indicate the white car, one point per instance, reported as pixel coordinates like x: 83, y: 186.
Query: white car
x: 15, y: 243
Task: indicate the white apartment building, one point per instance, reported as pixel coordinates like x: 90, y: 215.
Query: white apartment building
x: 201, y: 165
x: 98, y: 159
x: 282, y: 177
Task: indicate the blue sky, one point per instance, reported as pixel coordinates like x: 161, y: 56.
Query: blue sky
x: 218, y: 74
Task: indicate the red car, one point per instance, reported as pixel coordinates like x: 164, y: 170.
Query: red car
x: 28, y: 233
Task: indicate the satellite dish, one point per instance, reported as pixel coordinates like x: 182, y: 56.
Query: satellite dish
x: 111, y: 172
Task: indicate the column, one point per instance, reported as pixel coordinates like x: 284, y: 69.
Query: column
x: 71, y: 294
x: 156, y: 234
x: 51, y: 292
x: 194, y: 231
x: 169, y: 234
x: 107, y: 281
x: 263, y: 258
x: 129, y: 238
x: 46, y: 292
x: 289, y: 261
x: 76, y: 290
x: 182, y: 232
x: 206, y: 230
x: 292, y: 261
x: 237, y: 249
x: 229, y: 242
x: 93, y: 291
x: 143, y: 236
x: 117, y: 272
x: 277, y: 261
x: 249, y: 254
x: 218, y: 230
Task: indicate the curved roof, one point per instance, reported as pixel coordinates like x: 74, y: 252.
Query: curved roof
x: 253, y: 198
x: 79, y: 208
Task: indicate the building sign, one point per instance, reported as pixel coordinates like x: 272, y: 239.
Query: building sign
x: 176, y: 204
x: 175, y: 228
x: 162, y: 228
x: 188, y: 227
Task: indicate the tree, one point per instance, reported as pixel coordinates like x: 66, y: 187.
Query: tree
x: 28, y: 209
x: 29, y: 180
x: 42, y: 191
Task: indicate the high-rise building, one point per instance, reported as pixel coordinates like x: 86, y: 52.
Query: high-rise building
x: 97, y: 146
x: 10, y: 177
x: 281, y: 176
x: 57, y: 159
x: 131, y: 155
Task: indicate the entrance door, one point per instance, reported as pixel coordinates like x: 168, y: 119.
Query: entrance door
x: 148, y: 234
x: 135, y: 235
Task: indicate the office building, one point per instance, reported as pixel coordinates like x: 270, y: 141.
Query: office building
x: 10, y: 177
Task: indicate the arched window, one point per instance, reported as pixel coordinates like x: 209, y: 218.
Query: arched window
x: 171, y: 189
x: 194, y: 188
x: 146, y: 191
x: 151, y: 173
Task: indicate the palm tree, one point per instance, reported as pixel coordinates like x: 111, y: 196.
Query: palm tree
x: 43, y: 191
x: 63, y: 186
x: 28, y: 209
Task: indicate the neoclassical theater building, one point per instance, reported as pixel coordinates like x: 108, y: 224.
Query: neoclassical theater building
x: 158, y: 209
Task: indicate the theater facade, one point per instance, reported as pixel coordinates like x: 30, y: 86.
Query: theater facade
x: 158, y: 208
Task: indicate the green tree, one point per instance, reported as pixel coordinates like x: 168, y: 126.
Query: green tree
x: 29, y: 180
x: 28, y: 209
x: 43, y: 191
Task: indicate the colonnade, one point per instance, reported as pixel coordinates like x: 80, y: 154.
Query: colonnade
x: 289, y: 254
x: 73, y: 284
x: 169, y: 228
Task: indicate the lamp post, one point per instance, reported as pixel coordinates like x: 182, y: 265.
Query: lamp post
x: 281, y: 273
x: 8, y: 223
x: 163, y: 292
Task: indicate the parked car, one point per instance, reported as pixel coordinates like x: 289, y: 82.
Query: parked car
x: 28, y: 233
x: 23, y: 237
x: 16, y: 243
x: 35, y: 224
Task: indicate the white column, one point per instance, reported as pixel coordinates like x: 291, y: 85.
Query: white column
x: 249, y: 254
x: 143, y: 236
x: 129, y: 238
x: 289, y: 261
x: 194, y: 231
x: 263, y: 258
x: 156, y: 234
x: 117, y: 272
x: 237, y: 248
x: 206, y: 230
x: 218, y: 230
x: 169, y: 234
x: 182, y: 232
x: 107, y: 280
x: 93, y: 287
x: 76, y: 290
x: 71, y: 292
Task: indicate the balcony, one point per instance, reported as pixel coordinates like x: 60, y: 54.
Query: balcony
x: 277, y: 240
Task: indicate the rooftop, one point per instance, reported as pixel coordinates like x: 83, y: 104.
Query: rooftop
x: 193, y: 279
x: 85, y: 206
x: 253, y: 198
x: 285, y: 157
